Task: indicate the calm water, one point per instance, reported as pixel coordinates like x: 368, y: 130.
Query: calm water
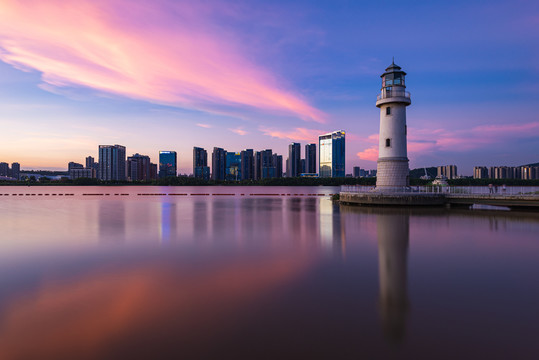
x: 260, y: 276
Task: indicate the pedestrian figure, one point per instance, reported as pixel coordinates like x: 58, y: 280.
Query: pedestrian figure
x: 504, y: 188
x: 496, y: 189
x: 490, y: 190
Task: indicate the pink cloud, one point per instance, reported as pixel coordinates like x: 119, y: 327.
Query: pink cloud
x: 172, y: 53
x: 370, y: 154
x: 206, y: 126
x: 469, y: 139
x: 298, y: 134
x: 518, y: 129
x: 432, y: 140
x: 239, y: 131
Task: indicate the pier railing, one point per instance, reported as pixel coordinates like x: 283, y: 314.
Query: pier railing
x: 453, y: 190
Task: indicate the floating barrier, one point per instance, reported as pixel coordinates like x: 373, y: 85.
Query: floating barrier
x: 171, y: 194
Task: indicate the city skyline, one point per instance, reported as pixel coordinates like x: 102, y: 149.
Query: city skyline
x: 254, y: 75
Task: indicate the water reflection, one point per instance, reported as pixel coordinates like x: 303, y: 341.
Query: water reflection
x: 107, y: 311
x: 332, y: 234
x: 111, y: 223
x: 168, y: 225
x: 200, y: 220
x: 222, y: 295
x: 393, y: 231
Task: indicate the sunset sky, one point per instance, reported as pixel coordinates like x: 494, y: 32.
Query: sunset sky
x: 169, y: 75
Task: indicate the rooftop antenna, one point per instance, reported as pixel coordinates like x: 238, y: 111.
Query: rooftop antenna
x: 393, y: 60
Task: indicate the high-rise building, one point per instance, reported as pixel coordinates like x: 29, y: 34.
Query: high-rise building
x: 247, y: 164
x: 138, y: 168
x: 73, y: 165
x: 90, y: 161
x: 153, y: 171
x: 91, y: 164
x: 449, y: 171
x: 233, y: 166
x: 16, y: 170
x: 201, y: 169
x: 278, y: 164
x: 294, y: 160
x: 529, y: 172
x: 393, y: 171
x: 310, y: 158
x: 507, y: 172
x: 168, y: 164
x: 480, y: 172
x: 264, y: 167
x: 4, y: 169
x: 112, y: 162
x: 218, y: 164
x: 331, y: 149
x: 268, y: 167
x: 356, y: 171
x: 302, y: 171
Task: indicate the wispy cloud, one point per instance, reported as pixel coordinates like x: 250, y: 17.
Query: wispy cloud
x: 434, y: 140
x: 298, y: 134
x: 239, y: 131
x: 206, y: 126
x: 172, y: 53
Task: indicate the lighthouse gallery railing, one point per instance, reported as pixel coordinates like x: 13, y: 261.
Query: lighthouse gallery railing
x: 393, y: 93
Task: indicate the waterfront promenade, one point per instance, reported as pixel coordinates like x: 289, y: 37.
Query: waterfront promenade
x: 514, y: 197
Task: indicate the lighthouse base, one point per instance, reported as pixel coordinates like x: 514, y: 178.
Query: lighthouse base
x: 392, y: 173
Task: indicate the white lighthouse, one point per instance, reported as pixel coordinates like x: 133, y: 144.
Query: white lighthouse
x: 392, y: 170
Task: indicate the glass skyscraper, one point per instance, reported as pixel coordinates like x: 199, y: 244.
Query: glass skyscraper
x: 332, y: 154
x: 168, y: 161
x: 233, y: 166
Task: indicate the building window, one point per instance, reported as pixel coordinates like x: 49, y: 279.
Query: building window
x: 388, y: 142
x: 388, y: 110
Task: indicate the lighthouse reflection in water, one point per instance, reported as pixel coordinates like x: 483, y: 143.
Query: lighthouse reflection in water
x: 393, y: 232
x: 393, y: 237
